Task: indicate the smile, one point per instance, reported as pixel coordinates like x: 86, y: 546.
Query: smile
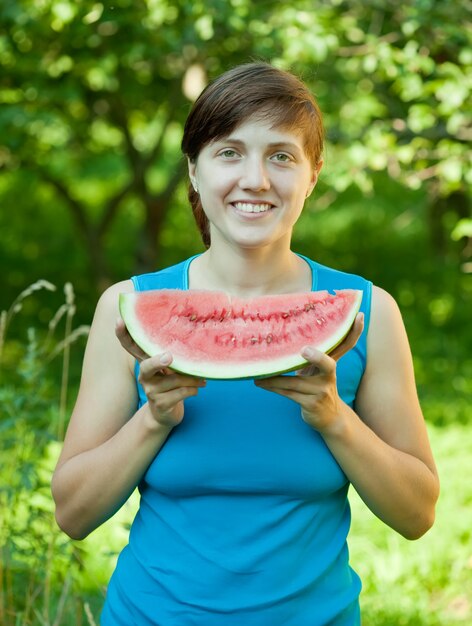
x: 247, y: 207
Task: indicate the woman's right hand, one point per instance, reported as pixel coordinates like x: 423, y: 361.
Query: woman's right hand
x: 165, y: 389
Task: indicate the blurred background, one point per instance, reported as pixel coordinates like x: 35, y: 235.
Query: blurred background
x: 93, y: 97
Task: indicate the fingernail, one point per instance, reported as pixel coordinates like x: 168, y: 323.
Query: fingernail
x: 165, y: 358
x: 308, y: 353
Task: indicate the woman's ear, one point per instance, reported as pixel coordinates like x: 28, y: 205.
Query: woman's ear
x: 192, y: 171
x: 314, y: 177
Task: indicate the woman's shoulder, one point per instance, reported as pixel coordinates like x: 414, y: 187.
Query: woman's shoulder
x: 107, y: 308
x: 385, y: 309
x: 170, y: 277
x: 109, y: 298
x: 122, y: 286
x: 388, y: 339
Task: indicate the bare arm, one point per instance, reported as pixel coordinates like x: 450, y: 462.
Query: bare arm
x: 109, y: 446
x: 385, y: 451
x: 384, y: 448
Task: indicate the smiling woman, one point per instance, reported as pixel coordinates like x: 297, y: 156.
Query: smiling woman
x: 277, y: 98
x: 253, y: 185
x: 244, y: 514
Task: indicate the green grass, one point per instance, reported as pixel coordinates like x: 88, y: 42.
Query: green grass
x: 427, y: 582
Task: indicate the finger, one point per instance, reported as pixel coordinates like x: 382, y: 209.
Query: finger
x: 351, y: 338
x: 309, y: 370
x: 311, y: 355
x: 292, y: 394
x: 319, y: 363
x: 128, y: 342
x: 157, y: 364
x: 166, y: 383
x: 167, y: 402
x: 300, y: 384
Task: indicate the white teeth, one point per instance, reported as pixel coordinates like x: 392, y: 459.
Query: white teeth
x: 246, y: 207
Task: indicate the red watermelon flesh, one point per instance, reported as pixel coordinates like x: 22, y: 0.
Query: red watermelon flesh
x: 214, y: 335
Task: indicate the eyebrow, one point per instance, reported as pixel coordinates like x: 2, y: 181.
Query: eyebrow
x: 272, y: 144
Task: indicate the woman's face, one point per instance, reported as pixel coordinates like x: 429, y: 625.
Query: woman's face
x: 253, y: 183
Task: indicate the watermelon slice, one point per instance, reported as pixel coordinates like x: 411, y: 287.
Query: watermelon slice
x: 213, y: 335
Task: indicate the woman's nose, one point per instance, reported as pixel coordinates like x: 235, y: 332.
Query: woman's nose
x: 255, y: 175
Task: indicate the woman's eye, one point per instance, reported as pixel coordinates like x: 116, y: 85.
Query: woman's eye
x: 228, y: 153
x: 281, y: 157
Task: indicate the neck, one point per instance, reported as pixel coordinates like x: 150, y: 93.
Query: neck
x: 250, y: 272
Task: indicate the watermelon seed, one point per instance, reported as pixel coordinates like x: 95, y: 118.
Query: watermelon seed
x: 224, y: 315
x: 193, y: 317
x: 285, y: 315
x: 253, y: 339
x: 269, y: 338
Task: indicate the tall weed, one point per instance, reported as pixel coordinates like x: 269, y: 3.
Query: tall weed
x: 35, y: 560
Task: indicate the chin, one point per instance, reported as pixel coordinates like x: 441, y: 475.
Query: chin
x: 252, y: 244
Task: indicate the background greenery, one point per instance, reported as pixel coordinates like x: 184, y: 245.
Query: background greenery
x: 92, y: 189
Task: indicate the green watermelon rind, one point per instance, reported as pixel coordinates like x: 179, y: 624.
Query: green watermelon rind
x: 238, y: 371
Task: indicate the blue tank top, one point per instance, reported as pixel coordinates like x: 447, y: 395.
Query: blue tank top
x: 243, y: 516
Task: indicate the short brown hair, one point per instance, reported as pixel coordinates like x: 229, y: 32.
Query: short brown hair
x: 237, y: 95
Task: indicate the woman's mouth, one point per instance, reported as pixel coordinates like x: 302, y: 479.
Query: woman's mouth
x: 250, y: 207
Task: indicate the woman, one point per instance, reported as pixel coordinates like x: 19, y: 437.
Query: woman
x: 244, y: 516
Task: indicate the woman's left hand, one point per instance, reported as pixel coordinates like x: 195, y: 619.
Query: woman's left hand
x: 314, y: 387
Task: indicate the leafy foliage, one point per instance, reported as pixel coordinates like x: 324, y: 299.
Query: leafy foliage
x: 95, y: 95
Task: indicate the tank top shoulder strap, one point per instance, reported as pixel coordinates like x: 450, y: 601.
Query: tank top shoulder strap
x: 174, y: 277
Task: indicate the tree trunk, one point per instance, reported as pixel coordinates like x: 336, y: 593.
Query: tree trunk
x: 458, y: 204
x: 147, y: 254
x: 99, y: 268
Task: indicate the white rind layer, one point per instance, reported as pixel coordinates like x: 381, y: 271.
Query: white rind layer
x: 225, y: 370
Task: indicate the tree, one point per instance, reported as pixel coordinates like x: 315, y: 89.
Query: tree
x: 95, y: 93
